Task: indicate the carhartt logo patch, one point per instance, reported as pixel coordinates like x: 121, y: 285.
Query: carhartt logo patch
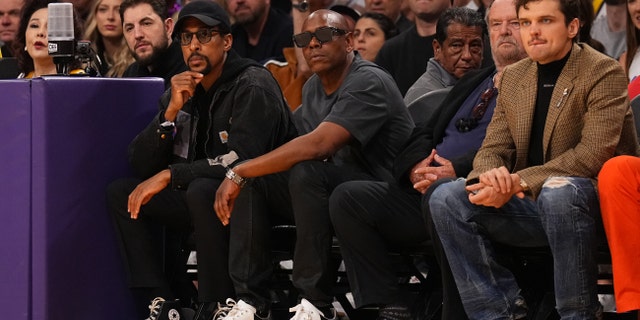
x: 224, y: 136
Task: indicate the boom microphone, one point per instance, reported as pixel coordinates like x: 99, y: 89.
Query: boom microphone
x: 60, y: 35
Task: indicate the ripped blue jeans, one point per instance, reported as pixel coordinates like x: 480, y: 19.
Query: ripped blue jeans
x: 563, y: 217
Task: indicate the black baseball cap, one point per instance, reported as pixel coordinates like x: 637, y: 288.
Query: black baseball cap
x: 345, y: 10
x: 207, y: 11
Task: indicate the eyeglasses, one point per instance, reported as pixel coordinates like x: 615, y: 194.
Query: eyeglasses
x: 322, y: 34
x: 203, y: 35
x: 468, y: 124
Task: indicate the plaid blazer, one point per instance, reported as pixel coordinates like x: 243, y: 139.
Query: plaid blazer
x: 589, y: 120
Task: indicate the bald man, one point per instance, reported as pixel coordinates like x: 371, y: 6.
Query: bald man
x: 352, y: 124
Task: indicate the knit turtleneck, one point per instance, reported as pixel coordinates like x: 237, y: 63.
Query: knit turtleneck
x: 547, y: 77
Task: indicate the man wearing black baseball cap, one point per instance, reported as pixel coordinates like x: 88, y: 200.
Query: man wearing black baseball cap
x: 210, y: 15
x: 223, y: 110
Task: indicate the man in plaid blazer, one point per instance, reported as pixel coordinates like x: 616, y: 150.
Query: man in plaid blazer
x: 559, y: 116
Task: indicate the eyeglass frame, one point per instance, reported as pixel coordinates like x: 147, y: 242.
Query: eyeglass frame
x: 210, y: 33
x: 334, y: 32
x: 464, y: 125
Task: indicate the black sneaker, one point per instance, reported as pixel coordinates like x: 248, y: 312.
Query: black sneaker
x: 394, y: 312
x: 161, y: 309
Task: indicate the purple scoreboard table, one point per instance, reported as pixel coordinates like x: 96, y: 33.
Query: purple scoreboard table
x: 64, y: 139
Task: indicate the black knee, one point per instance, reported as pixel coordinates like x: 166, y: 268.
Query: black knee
x: 303, y: 174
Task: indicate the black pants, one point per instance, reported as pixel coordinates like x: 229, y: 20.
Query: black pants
x: 452, y: 308
x: 157, y: 261
x: 370, y: 218
x: 310, y: 184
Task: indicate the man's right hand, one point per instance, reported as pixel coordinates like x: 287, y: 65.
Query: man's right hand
x: 183, y: 86
x: 146, y: 190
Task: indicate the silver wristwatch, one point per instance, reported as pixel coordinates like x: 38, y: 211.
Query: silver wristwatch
x: 240, y: 181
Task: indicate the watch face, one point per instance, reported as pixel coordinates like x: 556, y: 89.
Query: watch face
x: 302, y: 6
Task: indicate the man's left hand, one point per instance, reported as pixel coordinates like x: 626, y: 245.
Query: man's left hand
x: 431, y: 174
x: 483, y: 195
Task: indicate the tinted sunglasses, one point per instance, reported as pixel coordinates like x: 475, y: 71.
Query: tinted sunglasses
x: 468, y: 124
x: 322, y: 34
x: 203, y: 35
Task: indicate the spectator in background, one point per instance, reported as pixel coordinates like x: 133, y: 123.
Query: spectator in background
x: 147, y: 30
x: 586, y: 21
x: 371, y: 31
x: 82, y: 8
x: 104, y: 29
x: 458, y: 49
x: 32, y: 43
x: 260, y: 32
x: 630, y: 59
x: 405, y: 56
x: 350, y: 15
x: 391, y: 9
x: 9, y: 24
x: 610, y: 28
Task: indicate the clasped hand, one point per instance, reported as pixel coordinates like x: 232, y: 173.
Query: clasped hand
x: 495, y: 188
x: 430, y: 169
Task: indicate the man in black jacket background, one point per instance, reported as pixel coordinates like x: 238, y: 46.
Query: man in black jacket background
x: 225, y: 109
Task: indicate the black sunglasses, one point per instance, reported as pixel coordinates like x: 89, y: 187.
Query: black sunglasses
x: 322, y: 34
x: 468, y: 124
x: 203, y: 35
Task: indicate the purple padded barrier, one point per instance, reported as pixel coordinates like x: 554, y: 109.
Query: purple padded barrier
x: 81, y: 129
x: 15, y: 190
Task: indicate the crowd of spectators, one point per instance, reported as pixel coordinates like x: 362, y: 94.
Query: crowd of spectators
x: 301, y: 116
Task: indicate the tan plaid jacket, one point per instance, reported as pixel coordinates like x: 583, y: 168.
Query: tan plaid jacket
x: 589, y: 120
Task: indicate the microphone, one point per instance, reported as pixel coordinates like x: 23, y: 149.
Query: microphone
x: 60, y: 35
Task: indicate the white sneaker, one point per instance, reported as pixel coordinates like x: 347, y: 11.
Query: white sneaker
x: 237, y: 311
x: 307, y: 311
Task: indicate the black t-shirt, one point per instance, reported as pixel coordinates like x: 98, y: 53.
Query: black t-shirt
x: 369, y: 106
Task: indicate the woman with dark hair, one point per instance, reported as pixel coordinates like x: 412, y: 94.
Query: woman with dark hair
x: 104, y: 29
x: 371, y: 31
x: 31, y: 44
x: 630, y: 60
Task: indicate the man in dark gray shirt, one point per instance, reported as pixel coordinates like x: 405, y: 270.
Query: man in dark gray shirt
x: 353, y: 123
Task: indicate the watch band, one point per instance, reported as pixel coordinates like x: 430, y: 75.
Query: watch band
x: 525, y: 187
x: 302, y: 6
x: 240, y: 181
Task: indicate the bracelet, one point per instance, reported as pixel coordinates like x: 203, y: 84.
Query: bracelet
x: 168, y: 125
x: 240, y: 181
